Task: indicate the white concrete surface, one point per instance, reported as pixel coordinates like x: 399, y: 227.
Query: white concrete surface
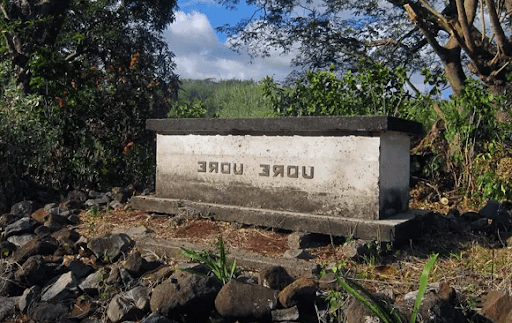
x: 349, y: 176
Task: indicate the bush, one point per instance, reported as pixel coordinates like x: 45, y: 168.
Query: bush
x: 372, y: 90
x: 29, y: 145
x: 91, y: 136
x: 467, y: 148
x: 477, y: 142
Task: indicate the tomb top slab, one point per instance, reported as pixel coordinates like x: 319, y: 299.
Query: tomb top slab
x: 284, y: 126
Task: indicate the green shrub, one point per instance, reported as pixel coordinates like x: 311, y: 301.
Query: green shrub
x: 372, y: 90
x: 88, y: 137
x: 29, y: 144
x: 190, y: 109
x: 472, y: 146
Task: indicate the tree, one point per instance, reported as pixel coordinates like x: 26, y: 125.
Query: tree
x: 459, y: 37
x: 78, y: 80
x: 68, y: 37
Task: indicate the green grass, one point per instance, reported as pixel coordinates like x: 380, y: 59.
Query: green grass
x: 227, y: 98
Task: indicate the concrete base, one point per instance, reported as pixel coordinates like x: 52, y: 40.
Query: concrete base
x: 400, y: 227
x: 244, y: 259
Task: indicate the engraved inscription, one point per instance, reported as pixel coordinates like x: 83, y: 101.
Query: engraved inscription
x: 202, y: 167
x: 308, y: 172
x: 292, y: 171
x: 278, y: 170
x: 214, y: 167
x: 266, y: 170
x: 311, y: 172
x: 239, y: 170
x: 223, y: 167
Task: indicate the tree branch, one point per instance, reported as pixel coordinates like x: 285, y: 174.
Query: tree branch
x: 4, y: 12
x: 463, y: 20
x: 482, y: 19
x: 415, y: 18
x: 442, y: 20
x: 503, y: 44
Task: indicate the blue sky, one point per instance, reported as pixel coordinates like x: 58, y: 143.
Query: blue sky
x: 217, y: 15
x: 203, y: 53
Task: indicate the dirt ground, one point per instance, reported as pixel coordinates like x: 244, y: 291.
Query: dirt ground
x: 472, y: 264
x: 195, y: 230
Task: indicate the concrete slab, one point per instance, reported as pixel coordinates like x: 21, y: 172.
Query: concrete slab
x: 244, y: 260
x: 398, y: 228
x: 284, y: 126
x: 347, y: 176
x: 334, y: 175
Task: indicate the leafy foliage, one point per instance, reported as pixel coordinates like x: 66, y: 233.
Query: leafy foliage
x: 469, y: 143
x: 423, y: 286
x: 371, y: 90
x: 426, y: 34
x: 78, y: 80
x: 29, y: 145
x: 192, y: 109
x: 493, y: 171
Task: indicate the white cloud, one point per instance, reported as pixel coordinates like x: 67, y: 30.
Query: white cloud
x: 192, y: 3
x: 200, y: 54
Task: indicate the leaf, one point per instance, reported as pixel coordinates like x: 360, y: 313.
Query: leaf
x: 233, y: 268
x: 218, y: 267
x: 372, y: 304
x: 423, y: 286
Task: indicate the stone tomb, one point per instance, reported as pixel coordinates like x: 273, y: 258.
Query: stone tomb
x: 344, y: 176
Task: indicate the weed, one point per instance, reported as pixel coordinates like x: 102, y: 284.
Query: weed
x: 92, y: 227
x: 107, y: 258
x: 336, y: 304
x: 458, y: 256
x: 423, y: 286
x: 218, y: 265
x: 105, y: 289
x: 94, y: 212
x: 385, y: 312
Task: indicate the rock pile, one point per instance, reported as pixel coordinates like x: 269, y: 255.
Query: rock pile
x: 50, y: 273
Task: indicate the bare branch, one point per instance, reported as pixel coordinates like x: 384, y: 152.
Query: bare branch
x: 71, y: 56
x: 482, y: 19
x: 441, y: 19
x: 418, y: 21
x: 382, y: 42
x: 503, y: 44
x: 4, y: 12
x: 470, y: 7
x: 463, y: 20
x: 508, y: 8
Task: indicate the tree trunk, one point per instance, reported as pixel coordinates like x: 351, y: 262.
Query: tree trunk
x: 453, y: 66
